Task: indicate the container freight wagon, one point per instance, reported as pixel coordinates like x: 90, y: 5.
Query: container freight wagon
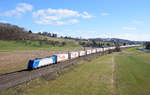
x: 82, y: 53
x: 105, y: 49
x: 73, y: 55
x: 101, y: 49
x: 98, y: 49
x: 93, y: 51
x: 88, y: 52
x: 109, y: 48
x: 40, y: 62
x: 62, y: 57
x: 112, y: 48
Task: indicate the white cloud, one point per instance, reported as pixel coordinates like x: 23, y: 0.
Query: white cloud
x: 3, y: 21
x: 104, y: 14
x: 137, y: 22
x: 86, y: 15
x: 126, y: 28
x: 57, y: 22
x: 57, y: 13
x: 19, y: 10
x: 58, y: 16
x: 72, y: 21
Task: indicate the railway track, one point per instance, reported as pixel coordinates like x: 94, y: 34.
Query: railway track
x: 15, y: 78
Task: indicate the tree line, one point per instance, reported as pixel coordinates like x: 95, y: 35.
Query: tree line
x: 12, y: 32
x: 147, y: 45
x: 47, y: 34
x: 94, y: 43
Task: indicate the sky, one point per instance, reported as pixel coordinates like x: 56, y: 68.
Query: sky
x: 126, y: 19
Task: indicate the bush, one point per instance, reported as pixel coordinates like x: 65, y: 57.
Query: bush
x: 147, y: 45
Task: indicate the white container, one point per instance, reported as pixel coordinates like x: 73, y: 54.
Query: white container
x: 62, y: 57
x: 88, y: 52
x: 74, y: 55
x: 82, y: 53
x: 93, y: 50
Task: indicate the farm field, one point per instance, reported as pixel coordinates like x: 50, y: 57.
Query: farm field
x: 121, y: 73
x: 14, y: 55
x: 12, y: 45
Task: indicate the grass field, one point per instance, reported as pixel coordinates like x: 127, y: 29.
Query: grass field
x: 132, y: 73
x: 36, y: 45
x: 123, y: 73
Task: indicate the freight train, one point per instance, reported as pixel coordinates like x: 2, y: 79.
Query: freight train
x: 40, y: 62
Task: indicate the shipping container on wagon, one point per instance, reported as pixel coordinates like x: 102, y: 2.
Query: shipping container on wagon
x: 124, y: 46
x: 112, y: 48
x: 74, y: 55
x: 98, y: 49
x: 88, y: 52
x: 105, y: 49
x: 109, y: 48
x: 93, y: 50
x: 82, y: 53
x: 101, y: 49
x: 62, y: 57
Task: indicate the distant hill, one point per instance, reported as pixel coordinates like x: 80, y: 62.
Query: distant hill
x: 14, y: 32
x: 116, y: 40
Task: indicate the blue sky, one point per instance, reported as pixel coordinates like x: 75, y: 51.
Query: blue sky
x: 127, y: 19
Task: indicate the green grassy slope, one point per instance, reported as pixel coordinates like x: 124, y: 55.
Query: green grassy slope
x: 132, y: 73
x: 36, y: 45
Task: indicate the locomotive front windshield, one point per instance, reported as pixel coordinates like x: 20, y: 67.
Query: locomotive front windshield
x: 30, y: 64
